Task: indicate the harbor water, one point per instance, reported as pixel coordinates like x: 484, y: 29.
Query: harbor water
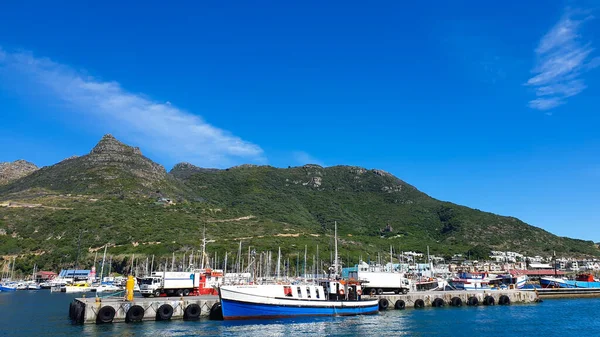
x: 41, y: 313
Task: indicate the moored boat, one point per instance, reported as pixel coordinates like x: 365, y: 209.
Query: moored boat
x: 581, y: 281
x: 8, y: 287
x: 287, y: 300
x: 471, y: 281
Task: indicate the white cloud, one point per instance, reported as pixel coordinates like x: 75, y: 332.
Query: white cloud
x: 303, y: 158
x: 160, y: 126
x: 561, y: 60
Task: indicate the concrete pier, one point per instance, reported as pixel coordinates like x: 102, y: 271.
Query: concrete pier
x: 568, y: 292
x: 114, y: 310
x: 420, y: 299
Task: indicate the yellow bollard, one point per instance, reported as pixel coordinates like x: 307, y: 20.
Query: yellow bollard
x: 129, y: 288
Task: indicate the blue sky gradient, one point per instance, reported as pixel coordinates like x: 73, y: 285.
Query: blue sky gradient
x: 494, y: 106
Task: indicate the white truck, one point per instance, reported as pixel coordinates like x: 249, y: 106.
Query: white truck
x: 169, y: 283
x: 376, y: 281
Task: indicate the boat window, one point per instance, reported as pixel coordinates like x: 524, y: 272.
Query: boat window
x: 317, y: 293
x: 307, y: 292
x: 299, y: 292
x: 287, y: 291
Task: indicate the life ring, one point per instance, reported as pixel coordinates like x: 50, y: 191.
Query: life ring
x: 341, y: 291
x: 164, y: 312
x: 359, y: 292
x: 134, y: 314
x: 192, y: 312
x: 106, y: 314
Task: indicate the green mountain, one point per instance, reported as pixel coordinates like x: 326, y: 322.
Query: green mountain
x: 116, y: 196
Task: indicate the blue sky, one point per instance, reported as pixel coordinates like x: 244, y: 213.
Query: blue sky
x: 494, y: 106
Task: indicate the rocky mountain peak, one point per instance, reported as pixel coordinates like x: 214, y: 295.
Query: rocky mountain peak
x: 15, y: 170
x: 109, y: 144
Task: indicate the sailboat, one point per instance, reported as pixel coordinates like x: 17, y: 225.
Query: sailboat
x: 329, y: 298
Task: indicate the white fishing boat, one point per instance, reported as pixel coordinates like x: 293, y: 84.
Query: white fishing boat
x: 106, y: 288
x: 279, y: 300
x: 33, y: 286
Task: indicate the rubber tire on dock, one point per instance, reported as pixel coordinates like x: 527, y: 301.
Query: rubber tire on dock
x: 192, y: 312
x: 134, y: 314
x: 456, y: 302
x: 78, y: 313
x: 71, y: 309
x: 383, y: 304
x: 504, y: 300
x: 106, y: 314
x: 489, y: 300
x: 400, y: 305
x: 472, y: 301
x: 438, y: 303
x: 164, y: 312
x: 216, y: 312
x: 419, y: 304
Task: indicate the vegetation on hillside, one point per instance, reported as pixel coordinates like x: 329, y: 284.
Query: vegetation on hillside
x: 117, y: 197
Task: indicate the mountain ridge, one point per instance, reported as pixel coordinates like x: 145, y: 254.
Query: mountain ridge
x: 115, y: 195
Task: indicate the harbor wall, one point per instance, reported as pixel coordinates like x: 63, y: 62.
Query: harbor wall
x: 88, y: 310
x: 428, y: 298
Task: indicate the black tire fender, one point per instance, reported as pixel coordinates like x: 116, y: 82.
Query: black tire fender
x: 504, y: 300
x: 164, y: 312
x: 134, y: 314
x: 456, y: 302
x: 489, y: 300
x: 192, y: 312
x: 400, y: 305
x: 472, y: 301
x: 419, y: 304
x: 216, y: 312
x: 383, y: 304
x: 106, y: 314
x: 438, y: 303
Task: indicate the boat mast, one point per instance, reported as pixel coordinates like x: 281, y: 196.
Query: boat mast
x: 152, y: 265
x: 103, y: 259
x: 335, y: 261
x: 304, y: 263
x: 225, y: 269
x: 12, y: 274
x: 203, y: 247
x: 391, y: 259
x: 279, y: 264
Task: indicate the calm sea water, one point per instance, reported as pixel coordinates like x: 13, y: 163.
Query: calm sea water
x: 42, y: 313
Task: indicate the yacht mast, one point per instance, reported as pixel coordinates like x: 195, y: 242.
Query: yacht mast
x: 335, y: 261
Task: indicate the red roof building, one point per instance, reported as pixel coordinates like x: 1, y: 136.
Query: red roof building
x: 45, y: 275
x: 537, y: 272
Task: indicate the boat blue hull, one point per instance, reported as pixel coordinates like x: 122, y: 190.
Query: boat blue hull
x: 244, y: 310
x: 3, y: 288
x: 568, y: 284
